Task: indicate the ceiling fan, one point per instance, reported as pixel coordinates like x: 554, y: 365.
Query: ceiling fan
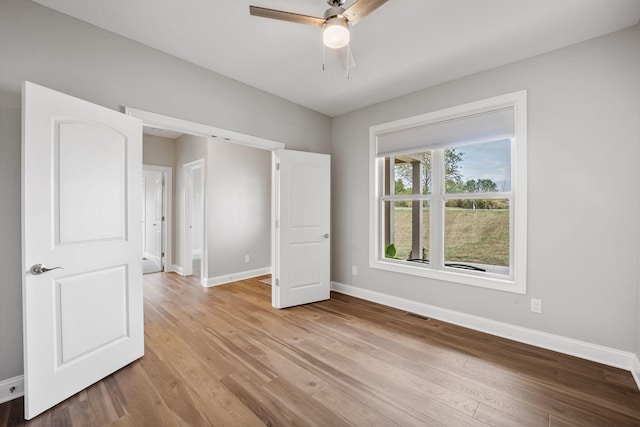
x: 336, y: 21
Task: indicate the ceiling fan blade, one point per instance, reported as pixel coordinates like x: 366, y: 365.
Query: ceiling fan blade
x: 285, y: 16
x: 360, y: 9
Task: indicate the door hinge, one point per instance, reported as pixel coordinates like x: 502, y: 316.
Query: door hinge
x: 277, y: 166
x: 277, y: 282
x: 277, y: 224
x: 162, y: 255
x: 163, y: 218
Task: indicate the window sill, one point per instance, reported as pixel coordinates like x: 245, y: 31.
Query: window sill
x: 483, y: 280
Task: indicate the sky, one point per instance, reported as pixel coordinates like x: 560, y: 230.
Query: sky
x: 488, y: 160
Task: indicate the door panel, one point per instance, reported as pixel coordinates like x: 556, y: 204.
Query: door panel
x: 91, y: 312
x: 81, y: 211
x: 98, y: 154
x: 302, y: 244
x: 305, y: 181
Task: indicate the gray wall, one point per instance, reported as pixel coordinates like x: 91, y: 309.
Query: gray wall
x: 238, y: 205
x: 583, y: 193
x: 238, y: 208
x: 70, y: 56
x: 638, y: 260
x: 159, y: 151
x: 10, y: 252
x: 238, y: 199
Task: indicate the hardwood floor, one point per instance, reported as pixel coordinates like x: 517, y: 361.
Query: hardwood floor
x: 222, y: 356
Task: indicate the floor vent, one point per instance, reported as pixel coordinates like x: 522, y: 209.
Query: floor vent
x: 417, y: 316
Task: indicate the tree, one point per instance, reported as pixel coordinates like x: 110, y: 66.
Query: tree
x: 480, y: 186
x: 453, y: 175
x: 400, y: 188
x: 486, y: 186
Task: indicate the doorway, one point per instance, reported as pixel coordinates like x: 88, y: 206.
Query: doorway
x: 182, y: 259
x: 194, y: 185
x: 295, y: 255
x: 156, y: 240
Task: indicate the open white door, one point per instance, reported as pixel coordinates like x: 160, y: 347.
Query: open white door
x: 302, y: 245
x: 153, y: 220
x: 81, y: 211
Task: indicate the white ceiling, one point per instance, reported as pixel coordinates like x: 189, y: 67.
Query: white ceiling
x: 404, y: 46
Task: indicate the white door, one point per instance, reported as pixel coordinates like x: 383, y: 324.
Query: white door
x: 153, y: 212
x: 81, y: 210
x: 302, y: 244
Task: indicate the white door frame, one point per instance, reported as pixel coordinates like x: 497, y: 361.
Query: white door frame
x: 167, y: 208
x: 187, y: 254
x: 170, y: 123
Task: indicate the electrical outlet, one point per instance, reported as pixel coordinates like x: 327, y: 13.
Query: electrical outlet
x: 354, y: 270
x: 536, y: 305
x: 247, y: 258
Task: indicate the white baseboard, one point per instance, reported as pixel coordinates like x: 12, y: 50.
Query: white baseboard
x: 151, y: 257
x: 636, y: 370
x: 172, y: 268
x: 584, y: 350
x: 228, y: 278
x: 11, y: 388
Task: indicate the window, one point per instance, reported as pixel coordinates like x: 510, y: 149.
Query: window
x: 448, y: 194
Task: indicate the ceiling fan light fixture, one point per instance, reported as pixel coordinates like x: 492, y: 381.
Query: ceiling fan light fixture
x: 336, y: 33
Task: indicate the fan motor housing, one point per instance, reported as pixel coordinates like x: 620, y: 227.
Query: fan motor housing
x: 334, y: 12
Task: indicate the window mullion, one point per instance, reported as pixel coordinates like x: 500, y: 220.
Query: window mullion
x: 471, y: 196
x: 436, y: 223
x: 403, y: 197
x: 391, y: 190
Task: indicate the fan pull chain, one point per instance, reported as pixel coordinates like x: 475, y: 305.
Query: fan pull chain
x: 348, y: 57
x: 323, y: 56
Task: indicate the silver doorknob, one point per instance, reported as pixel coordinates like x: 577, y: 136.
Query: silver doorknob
x: 38, y: 269
x: 325, y: 235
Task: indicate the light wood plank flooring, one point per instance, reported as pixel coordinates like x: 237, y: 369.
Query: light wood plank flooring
x: 222, y: 356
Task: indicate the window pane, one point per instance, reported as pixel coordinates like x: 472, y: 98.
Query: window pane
x: 411, y: 173
x: 407, y: 230
x: 477, y: 233
x: 478, y: 168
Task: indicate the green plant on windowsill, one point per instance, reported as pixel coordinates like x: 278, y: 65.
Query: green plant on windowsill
x: 390, y: 251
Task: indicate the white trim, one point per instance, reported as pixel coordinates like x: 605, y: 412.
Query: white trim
x: 584, y: 350
x: 636, y: 370
x: 167, y: 225
x: 173, y: 268
x: 516, y: 282
x: 275, y: 224
x: 150, y: 257
x: 228, y: 278
x: 165, y: 122
x: 187, y: 181
x: 6, y: 385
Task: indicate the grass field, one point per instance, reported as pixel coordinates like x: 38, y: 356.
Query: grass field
x: 481, y: 236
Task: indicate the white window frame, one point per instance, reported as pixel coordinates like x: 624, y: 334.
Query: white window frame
x: 516, y: 281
